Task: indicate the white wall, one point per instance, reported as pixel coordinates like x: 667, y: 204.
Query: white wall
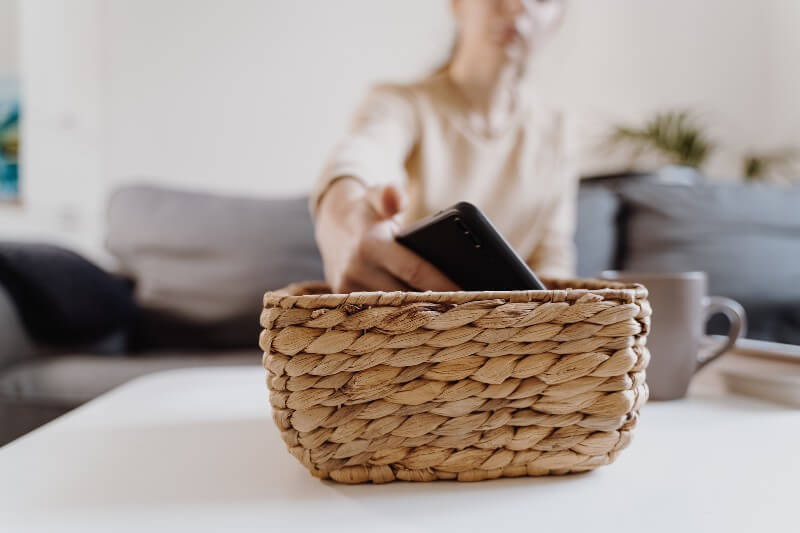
x: 62, y: 179
x: 249, y: 95
x: 621, y: 60
x: 8, y: 37
x: 783, y: 67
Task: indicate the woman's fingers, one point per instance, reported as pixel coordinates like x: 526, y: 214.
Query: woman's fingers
x: 408, y: 267
x: 355, y: 232
x: 387, y: 200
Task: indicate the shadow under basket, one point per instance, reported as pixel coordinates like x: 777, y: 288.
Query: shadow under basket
x: 384, y: 386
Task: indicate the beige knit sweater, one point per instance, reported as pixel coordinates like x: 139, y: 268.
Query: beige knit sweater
x: 419, y: 137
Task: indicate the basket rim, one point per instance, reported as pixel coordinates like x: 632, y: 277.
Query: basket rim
x: 314, y: 295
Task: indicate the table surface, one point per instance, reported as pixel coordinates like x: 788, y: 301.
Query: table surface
x: 196, y: 450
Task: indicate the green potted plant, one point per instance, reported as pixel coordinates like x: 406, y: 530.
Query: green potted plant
x: 676, y: 136
x: 760, y: 166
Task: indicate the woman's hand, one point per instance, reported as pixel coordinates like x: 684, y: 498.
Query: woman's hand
x: 355, y: 231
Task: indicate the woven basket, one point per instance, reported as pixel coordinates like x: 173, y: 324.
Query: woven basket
x: 379, y: 386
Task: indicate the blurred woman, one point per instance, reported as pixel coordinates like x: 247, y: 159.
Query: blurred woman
x: 468, y: 132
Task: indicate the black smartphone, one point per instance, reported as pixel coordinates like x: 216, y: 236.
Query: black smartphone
x: 462, y: 243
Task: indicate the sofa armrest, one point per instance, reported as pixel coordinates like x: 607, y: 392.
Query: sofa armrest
x: 15, y: 344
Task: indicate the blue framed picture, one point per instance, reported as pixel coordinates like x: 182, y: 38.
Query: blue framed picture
x: 9, y: 140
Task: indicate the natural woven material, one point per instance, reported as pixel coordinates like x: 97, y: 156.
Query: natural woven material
x: 383, y: 386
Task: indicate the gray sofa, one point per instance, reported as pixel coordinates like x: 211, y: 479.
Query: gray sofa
x: 201, y: 262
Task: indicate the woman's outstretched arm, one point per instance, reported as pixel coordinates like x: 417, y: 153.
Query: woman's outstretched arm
x: 360, y: 197
x: 355, y: 232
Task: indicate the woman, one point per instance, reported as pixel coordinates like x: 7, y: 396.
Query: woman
x: 469, y: 132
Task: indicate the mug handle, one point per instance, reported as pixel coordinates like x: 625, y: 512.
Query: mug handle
x: 738, y: 319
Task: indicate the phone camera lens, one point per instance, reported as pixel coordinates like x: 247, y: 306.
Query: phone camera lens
x: 461, y: 225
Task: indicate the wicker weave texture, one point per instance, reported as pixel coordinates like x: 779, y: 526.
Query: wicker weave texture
x: 377, y: 387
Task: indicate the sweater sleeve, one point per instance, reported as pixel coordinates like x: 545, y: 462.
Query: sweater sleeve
x: 554, y: 255
x: 382, y: 134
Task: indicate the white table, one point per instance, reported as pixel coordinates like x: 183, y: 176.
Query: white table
x: 196, y: 450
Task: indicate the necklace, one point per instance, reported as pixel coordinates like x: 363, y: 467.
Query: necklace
x: 496, y: 120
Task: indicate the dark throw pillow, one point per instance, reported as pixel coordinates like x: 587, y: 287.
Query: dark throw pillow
x: 63, y: 299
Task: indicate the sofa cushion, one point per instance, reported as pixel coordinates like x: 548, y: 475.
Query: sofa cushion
x: 596, y: 233
x: 206, y: 259
x: 600, y: 212
x: 63, y: 299
x: 746, y: 237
